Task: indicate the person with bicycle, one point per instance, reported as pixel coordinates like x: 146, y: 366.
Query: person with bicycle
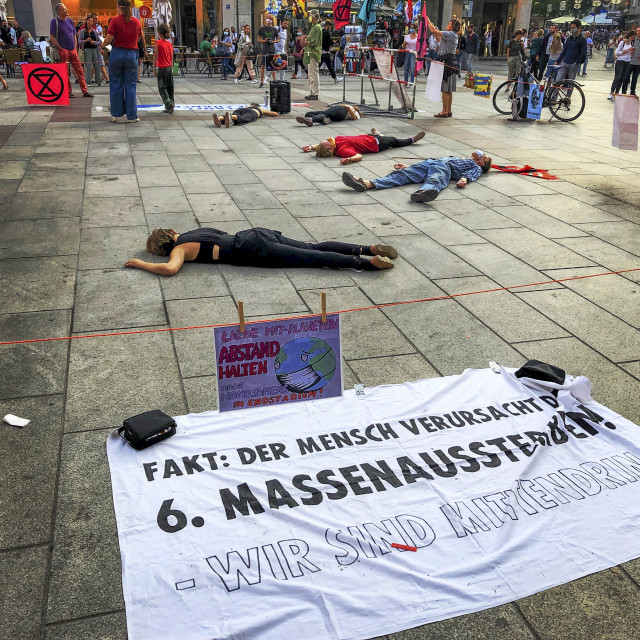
x: 573, y: 54
x: 515, y: 55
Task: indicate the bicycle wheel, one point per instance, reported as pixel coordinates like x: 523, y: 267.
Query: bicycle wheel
x: 503, y: 97
x: 568, y: 103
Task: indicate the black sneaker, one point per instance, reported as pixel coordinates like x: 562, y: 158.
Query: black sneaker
x: 355, y: 183
x: 311, y: 97
x: 426, y: 195
x: 418, y: 136
x: 87, y: 95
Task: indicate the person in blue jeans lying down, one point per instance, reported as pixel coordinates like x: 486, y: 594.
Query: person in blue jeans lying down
x: 433, y: 174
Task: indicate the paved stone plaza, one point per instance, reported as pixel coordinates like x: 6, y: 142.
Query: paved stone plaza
x: 78, y: 196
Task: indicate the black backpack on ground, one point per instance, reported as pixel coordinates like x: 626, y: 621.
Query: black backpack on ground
x: 280, y: 96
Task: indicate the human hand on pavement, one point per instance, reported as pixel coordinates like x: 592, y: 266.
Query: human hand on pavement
x: 462, y: 183
x: 400, y: 166
x: 134, y: 263
x: 307, y: 148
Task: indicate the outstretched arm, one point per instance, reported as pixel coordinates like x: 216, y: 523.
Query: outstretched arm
x: 272, y: 114
x: 176, y: 260
x: 351, y: 159
x: 309, y: 148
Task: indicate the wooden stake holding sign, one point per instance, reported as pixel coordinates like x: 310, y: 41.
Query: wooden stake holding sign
x: 323, y: 303
x: 241, y: 316
x: 323, y: 298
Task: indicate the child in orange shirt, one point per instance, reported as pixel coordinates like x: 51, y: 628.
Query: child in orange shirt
x: 163, y: 67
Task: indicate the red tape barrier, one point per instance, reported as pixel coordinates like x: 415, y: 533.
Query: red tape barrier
x: 310, y: 315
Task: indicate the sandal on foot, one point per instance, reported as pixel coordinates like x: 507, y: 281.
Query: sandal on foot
x: 424, y: 195
x: 355, y: 183
x: 385, y: 251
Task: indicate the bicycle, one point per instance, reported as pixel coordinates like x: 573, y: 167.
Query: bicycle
x: 560, y: 98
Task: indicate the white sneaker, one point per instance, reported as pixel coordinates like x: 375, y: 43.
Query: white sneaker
x: 236, y: 80
x: 610, y: 96
x: 338, y: 79
x: 254, y: 81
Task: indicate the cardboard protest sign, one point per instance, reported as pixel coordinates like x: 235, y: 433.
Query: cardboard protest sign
x: 534, y: 106
x: 278, y: 362
x: 434, y: 81
x: 279, y: 523
x: 46, y: 84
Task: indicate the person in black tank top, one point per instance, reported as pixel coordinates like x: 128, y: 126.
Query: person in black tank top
x: 258, y: 247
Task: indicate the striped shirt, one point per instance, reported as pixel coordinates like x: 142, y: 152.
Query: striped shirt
x: 463, y: 168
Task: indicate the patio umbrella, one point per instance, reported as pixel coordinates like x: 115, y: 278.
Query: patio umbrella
x: 563, y: 19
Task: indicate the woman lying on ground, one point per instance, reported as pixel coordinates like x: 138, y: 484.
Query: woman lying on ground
x: 257, y: 247
x: 351, y: 148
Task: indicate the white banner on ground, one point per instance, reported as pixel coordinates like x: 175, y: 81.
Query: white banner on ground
x: 625, y: 123
x: 206, y: 107
x: 278, y: 523
x: 434, y: 81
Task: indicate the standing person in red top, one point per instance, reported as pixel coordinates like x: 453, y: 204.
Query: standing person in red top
x: 351, y: 148
x: 63, y: 37
x: 123, y: 34
x: 163, y: 67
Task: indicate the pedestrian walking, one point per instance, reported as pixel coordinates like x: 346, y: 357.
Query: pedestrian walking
x: 326, y: 57
x: 623, y: 63
x: 313, y: 54
x: 298, y: 52
x: 163, y: 67
x: 267, y: 37
x: 123, y: 34
x: 472, y: 46
x: 515, y: 55
x: 634, y: 68
x: 243, y: 57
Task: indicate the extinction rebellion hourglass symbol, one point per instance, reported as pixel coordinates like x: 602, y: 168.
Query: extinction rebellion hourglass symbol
x: 46, y: 84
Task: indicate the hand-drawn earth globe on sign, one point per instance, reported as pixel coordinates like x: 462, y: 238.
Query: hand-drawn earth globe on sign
x: 305, y: 364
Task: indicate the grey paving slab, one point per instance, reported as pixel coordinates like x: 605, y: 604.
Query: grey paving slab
x: 51, y: 181
x: 500, y: 622
x: 151, y: 177
x: 202, y: 393
x: 502, y: 311
x: 379, y: 220
x: 602, y: 605
x: 35, y: 284
x: 14, y: 169
x: 49, y: 237
x: 450, y: 337
x: 164, y: 199
x: 567, y: 209
x: 108, y: 186
x: 26, y: 504
x: 604, y: 253
x: 145, y: 159
x: 61, y: 204
x: 625, y: 235
x: 57, y: 161
x: 473, y: 215
x: 110, y: 248
x: 85, y: 578
x: 125, y: 211
x: 188, y: 163
x: 318, y: 278
x: 263, y: 291
x: 8, y: 189
x: 633, y: 368
x: 22, y: 592
x: 104, y: 369
x: 433, y: 260
x: 499, y: 265
x: 282, y: 179
x: 614, y: 293
x: 117, y: 299
x: 116, y: 165
x: 440, y: 228
x: 34, y: 368
x: 200, y: 182
x: 510, y: 185
x: 365, y: 334
x: 603, y: 331
x: 107, y: 627
x: 252, y: 196
x: 71, y: 145
x: 18, y: 152
x: 341, y: 228
x: 392, y: 370
x: 195, y: 347
x: 541, y: 223
x: 215, y: 206
x: 534, y: 249
x: 228, y: 171
x: 623, y: 210
x: 308, y: 203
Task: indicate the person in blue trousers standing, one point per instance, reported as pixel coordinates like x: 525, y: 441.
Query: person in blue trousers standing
x: 434, y: 175
x: 123, y: 35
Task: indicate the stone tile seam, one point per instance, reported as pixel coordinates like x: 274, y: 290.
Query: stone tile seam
x: 91, y: 616
x: 23, y: 547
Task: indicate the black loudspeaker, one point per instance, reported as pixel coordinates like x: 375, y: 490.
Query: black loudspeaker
x: 280, y: 96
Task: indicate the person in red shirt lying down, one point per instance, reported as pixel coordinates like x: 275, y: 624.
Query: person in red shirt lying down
x: 351, y: 148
